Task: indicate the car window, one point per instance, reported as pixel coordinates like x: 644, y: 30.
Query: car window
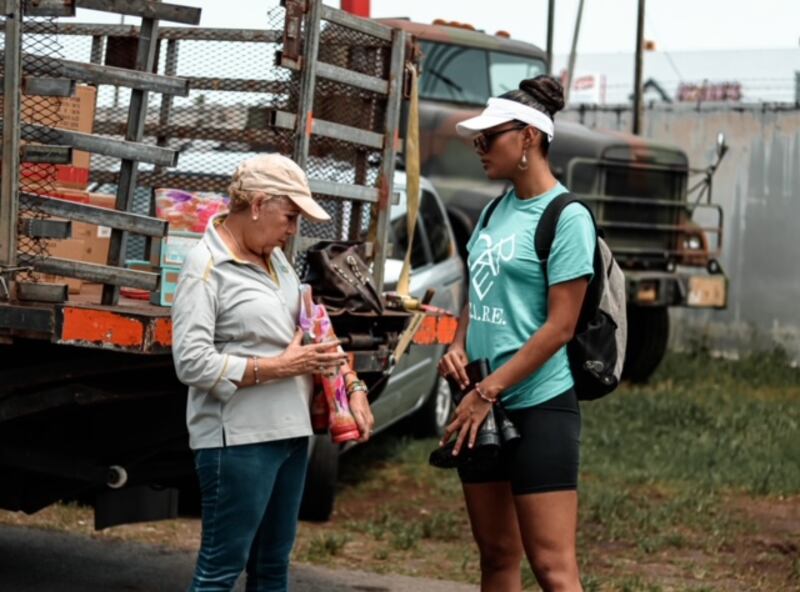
x: 454, y: 73
x: 435, y: 228
x: 399, y: 236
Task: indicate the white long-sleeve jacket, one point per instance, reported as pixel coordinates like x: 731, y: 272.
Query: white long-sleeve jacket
x: 226, y: 311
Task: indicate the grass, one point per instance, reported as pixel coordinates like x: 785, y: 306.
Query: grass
x: 669, y: 472
x: 690, y: 483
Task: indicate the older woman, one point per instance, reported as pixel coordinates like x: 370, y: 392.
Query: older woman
x: 237, y: 346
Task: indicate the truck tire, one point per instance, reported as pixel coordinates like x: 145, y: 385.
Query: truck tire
x: 648, y: 334
x: 433, y: 417
x: 321, y: 475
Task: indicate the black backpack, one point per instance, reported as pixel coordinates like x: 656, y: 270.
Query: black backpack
x: 597, y: 350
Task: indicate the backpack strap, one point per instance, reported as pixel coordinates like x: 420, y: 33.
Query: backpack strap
x: 490, y: 210
x: 546, y: 229
x: 543, y: 242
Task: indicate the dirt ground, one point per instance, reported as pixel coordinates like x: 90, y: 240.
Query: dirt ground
x: 764, y: 554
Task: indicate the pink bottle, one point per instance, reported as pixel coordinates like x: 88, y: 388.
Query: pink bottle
x: 330, y: 407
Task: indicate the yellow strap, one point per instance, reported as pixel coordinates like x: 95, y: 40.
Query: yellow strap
x: 412, y: 179
x: 408, y: 335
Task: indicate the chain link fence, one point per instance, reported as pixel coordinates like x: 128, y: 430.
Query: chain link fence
x: 241, y: 103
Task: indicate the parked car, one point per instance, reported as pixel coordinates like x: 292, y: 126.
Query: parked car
x: 414, y: 390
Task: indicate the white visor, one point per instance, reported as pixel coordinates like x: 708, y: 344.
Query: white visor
x: 502, y: 110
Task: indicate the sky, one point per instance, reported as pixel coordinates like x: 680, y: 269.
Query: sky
x: 607, y: 25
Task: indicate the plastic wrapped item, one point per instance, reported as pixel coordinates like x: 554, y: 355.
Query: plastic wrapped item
x: 189, y: 211
x: 330, y: 409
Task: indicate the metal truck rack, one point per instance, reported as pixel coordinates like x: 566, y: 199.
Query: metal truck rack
x: 327, y: 91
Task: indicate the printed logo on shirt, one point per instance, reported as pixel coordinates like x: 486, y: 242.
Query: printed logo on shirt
x: 484, y: 270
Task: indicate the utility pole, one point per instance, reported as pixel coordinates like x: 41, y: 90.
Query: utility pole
x: 551, y: 17
x: 637, y: 74
x: 797, y: 87
x: 573, y: 52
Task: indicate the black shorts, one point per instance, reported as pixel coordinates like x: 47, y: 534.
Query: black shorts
x: 546, y: 457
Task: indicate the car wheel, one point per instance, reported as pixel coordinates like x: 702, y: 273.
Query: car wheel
x: 321, y: 475
x: 435, y: 414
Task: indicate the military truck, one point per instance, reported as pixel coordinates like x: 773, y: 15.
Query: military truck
x: 667, y: 241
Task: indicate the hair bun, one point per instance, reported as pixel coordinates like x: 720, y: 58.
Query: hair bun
x: 545, y: 90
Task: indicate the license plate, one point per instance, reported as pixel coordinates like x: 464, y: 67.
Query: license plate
x: 708, y: 292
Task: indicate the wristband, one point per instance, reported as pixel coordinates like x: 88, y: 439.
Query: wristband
x: 483, y: 396
x: 255, y: 370
x: 355, y: 387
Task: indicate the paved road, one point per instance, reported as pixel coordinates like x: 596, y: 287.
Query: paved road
x: 42, y: 561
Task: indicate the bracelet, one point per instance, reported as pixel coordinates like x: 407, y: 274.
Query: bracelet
x: 483, y: 396
x: 355, y: 386
x: 255, y: 370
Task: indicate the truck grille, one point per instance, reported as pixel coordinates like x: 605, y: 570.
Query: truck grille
x: 638, y: 207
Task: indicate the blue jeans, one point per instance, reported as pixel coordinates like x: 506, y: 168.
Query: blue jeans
x: 251, y: 499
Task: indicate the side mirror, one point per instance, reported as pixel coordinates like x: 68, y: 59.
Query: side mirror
x: 722, y: 146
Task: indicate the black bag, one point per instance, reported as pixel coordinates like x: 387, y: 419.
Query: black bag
x: 597, y: 350
x: 340, y: 278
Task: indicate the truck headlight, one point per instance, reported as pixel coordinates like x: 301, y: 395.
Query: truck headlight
x: 692, y: 243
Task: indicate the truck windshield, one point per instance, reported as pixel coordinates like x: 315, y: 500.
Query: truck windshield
x: 506, y: 70
x: 459, y: 74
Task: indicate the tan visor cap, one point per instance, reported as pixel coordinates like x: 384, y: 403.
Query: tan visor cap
x: 275, y: 174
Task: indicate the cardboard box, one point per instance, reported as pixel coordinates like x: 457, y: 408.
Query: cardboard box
x: 74, y: 113
x: 103, y: 200
x: 89, y: 243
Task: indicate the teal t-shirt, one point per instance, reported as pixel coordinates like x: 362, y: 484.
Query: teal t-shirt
x: 507, y: 292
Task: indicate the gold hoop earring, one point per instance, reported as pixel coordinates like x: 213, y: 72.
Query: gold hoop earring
x: 523, y: 163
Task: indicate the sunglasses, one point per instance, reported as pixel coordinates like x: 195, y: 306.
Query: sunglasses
x: 483, y: 141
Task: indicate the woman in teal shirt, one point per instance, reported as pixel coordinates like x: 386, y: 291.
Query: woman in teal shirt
x: 520, y: 322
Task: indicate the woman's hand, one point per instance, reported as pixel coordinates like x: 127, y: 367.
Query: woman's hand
x: 359, y: 407
x: 298, y: 359
x: 453, y: 365
x: 469, y: 416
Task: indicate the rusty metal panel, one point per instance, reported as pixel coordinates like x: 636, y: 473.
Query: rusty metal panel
x: 115, y: 329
